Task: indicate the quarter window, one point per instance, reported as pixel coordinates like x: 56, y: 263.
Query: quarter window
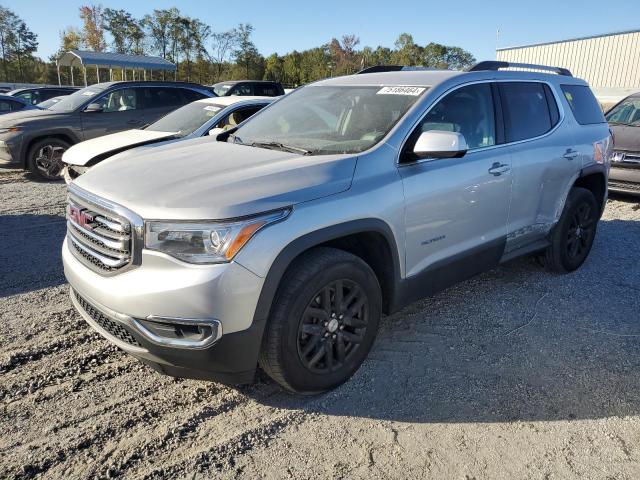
x: 526, y: 110
x: 583, y: 104
x: 469, y: 111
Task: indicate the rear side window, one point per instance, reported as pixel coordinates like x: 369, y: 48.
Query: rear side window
x: 266, y: 89
x: 161, y: 97
x: 527, y: 113
x: 584, y: 105
x: 242, y: 89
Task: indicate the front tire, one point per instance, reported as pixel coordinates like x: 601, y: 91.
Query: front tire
x: 44, y: 158
x: 323, y: 323
x: 573, y: 236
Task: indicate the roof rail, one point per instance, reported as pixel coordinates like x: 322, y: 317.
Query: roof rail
x: 390, y: 68
x: 497, y: 65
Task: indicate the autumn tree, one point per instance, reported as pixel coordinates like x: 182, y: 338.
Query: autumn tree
x: 92, y: 17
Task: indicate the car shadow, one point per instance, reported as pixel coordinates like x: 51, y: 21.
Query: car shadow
x: 513, y: 344
x: 30, y: 257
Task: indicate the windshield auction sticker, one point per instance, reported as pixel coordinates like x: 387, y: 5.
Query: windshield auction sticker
x: 414, y: 91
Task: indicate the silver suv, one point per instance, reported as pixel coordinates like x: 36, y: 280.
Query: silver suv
x: 281, y: 243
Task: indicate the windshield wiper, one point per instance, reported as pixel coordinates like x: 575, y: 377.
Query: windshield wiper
x: 281, y: 146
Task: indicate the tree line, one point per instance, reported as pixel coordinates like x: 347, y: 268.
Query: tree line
x: 200, y: 53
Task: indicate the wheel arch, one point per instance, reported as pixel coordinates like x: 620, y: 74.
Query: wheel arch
x: 594, y: 179
x: 370, y: 239
x: 64, y: 136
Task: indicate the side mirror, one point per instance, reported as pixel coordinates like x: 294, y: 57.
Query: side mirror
x: 216, y: 131
x: 93, y: 108
x: 440, y: 144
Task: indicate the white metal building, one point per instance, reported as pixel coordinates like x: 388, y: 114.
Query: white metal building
x: 609, y: 62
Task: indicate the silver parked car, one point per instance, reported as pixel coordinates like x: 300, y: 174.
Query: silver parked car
x: 348, y: 198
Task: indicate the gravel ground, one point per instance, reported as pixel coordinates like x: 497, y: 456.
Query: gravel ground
x: 516, y: 373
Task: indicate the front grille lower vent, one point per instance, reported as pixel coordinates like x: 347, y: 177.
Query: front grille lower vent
x: 113, y: 328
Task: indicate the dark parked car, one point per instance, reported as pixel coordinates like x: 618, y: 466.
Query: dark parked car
x: 35, y: 95
x: 624, y: 121
x: 260, y: 88
x: 10, y: 104
x: 36, y: 139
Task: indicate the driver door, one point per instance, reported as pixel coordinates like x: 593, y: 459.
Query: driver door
x: 457, y: 208
x: 120, y: 111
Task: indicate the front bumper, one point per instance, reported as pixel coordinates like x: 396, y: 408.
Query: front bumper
x: 625, y: 179
x: 220, y: 298
x: 9, y: 157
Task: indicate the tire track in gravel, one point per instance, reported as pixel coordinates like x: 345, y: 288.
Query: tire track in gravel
x: 24, y: 357
x: 222, y: 456
x: 67, y: 368
x: 154, y: 448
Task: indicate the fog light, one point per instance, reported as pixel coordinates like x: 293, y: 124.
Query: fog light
x: 180, y: 332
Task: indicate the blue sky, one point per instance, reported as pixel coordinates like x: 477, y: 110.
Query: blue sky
x: 287, y: 25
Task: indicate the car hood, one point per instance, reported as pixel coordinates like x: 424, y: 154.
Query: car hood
x: 82, y: 153
x: 627, y: 138
x: 203, y: 179
x: 28, y: 115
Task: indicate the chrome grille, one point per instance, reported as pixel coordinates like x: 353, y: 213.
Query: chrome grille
x: 113, y: 328
x: 99, y: 237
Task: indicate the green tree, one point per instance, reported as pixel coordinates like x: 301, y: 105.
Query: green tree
x: 26, y: 44
x: 158, y: 25
x: 274, y: 68
x: 9, y: 22
x: 246, y: 54
x: 223, y: 45
x: 407, y: 52
x: 127, y: 32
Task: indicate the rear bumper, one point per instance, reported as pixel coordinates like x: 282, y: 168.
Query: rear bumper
x: 625, y: 179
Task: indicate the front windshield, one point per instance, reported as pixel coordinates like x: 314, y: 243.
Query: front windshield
x: 221, y: 89
x: 70, y: 102
x: 187, y: 119
x: 47, y: 103
x: 626, y: 112
x: 329, y: 119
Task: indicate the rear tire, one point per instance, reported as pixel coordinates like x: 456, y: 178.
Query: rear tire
x: 44, y: 158
x: 323, y: 322
x: 573, y: 236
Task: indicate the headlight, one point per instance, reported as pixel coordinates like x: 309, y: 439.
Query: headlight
x: 206, y: 242
x: 10, y: 129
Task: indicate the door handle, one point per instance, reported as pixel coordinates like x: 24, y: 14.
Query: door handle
x: 498, y: 169
x: 133, y: 122
x: 570, y: 154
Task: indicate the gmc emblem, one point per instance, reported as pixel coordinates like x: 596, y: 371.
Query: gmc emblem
x: 81, y: 217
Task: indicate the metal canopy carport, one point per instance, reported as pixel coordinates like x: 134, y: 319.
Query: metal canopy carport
x: 82, y: 59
